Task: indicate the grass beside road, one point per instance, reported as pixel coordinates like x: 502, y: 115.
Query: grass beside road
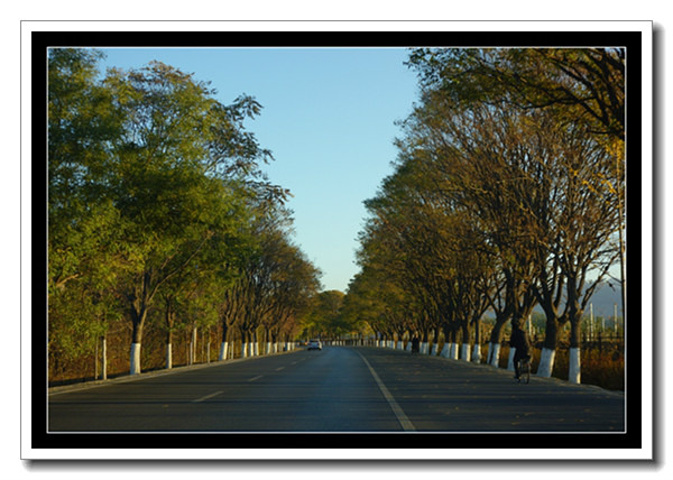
x: 602, y: 367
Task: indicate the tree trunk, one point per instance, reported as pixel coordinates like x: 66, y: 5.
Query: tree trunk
x: 169, y: 347
x: 224, y: 346
x: 453, y: 353
x: 465, y: 334
x: 244, y: 343
x: 494, y: 345
x: 574, y: 367
x: 476, y: 352
x: 139, y: 306
x: 548, y: 355
x: 274, y: 339
x: 435, y: 339
x: 424, y: 343
x: 138, y: 324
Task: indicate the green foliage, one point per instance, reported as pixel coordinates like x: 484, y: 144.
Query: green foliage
x: 154, y: 191
x: 325, y: 318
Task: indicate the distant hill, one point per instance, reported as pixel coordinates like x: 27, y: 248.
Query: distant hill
x: 604, y: 300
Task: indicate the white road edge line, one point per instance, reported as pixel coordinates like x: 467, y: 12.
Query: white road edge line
x: 279, y: 369
x: 255, y: 378
x: 198, y: 400
x: 397, y: 410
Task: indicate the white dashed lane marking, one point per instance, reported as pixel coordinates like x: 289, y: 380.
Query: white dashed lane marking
x: 199, y: 400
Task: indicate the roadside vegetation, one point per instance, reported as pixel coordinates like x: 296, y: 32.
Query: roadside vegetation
x: 167, y: 243
x: 507, y: 194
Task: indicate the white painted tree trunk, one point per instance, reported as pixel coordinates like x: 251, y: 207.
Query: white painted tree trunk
x: 465, y: 354
x: 574, y: 373
x: 453, y: 354
x: 268, y: 348
x: 408, y: 346
x: 510, y: 361
x: 494, y: 348
x: 169, y: 356
x: 546, y: 363
x: 476, y: 354
x: 224, y: 350
x: 433, y: 352
x: 424, y: 348
x: 445, y: 351
x: 135, y: 358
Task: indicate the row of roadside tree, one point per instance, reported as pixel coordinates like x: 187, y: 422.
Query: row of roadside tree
x: 507, y: 193
x: 160, y: 214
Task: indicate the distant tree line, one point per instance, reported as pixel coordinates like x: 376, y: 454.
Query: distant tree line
x: 160, y: 215
x: 507, y: 192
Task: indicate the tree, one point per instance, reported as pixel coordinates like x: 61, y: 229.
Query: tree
x: 324, y: 319
x: 84, y: 231
x: 518, y: 144
x: 580, y: 86
x: 147, y: 174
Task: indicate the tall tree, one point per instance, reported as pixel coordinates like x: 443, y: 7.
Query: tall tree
x: 84, y: 232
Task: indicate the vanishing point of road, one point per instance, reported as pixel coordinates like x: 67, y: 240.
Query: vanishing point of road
x: 338, y: 389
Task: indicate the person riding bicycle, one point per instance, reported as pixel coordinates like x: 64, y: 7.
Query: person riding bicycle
x: 519, y: 341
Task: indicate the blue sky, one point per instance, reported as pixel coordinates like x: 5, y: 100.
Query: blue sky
x: 329, y: 119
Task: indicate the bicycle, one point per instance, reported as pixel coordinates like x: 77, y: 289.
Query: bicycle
x: 524, y: 369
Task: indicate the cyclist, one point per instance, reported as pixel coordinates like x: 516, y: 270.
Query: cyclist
x: 519, y: 341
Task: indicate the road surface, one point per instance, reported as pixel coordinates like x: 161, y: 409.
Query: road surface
x: 338, y: 389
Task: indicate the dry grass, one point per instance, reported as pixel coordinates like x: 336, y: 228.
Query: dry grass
x: 602, y: 367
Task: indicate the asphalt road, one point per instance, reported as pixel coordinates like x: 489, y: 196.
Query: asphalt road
x: 338, y: 389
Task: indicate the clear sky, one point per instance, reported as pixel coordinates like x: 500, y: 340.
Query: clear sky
x: 329, y: 119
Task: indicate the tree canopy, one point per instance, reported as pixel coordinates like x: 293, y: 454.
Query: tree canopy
x: 156, y: 197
